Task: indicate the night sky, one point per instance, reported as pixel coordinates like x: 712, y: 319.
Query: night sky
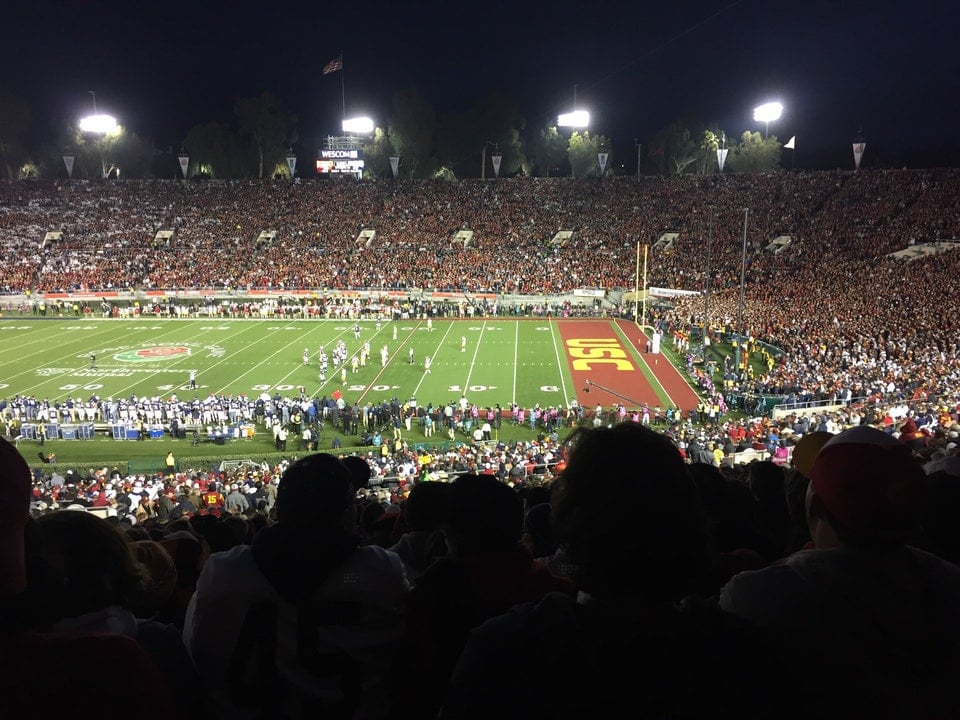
x: 890, y: 69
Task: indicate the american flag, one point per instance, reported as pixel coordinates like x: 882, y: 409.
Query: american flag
x: 333, y: 65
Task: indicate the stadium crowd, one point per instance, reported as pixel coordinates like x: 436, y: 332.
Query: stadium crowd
x: 635, y: 569
x: 643, y: 575
x: 850, y: 319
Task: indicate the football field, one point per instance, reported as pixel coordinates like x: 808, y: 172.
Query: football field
x: 491, y: 361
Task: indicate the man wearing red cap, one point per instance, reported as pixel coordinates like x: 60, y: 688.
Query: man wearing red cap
x: 870, y: 624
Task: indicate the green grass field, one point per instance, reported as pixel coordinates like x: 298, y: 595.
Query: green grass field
x: 500, y: 361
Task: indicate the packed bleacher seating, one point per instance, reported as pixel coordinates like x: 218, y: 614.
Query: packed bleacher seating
x: 851, y: 321
x: 109, y: 230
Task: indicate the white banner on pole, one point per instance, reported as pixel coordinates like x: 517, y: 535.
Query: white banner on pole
x: 721, y: 157
x: 497, y: 159
x: 184, y: 164
x: 858, y: 148
x: 395, y: 165
x: 68, y: 161
x: 292, y: 164
x: 602, y: 159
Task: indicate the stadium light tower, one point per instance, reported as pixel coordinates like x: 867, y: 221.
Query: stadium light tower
x: 576, y: 119
x: 102, y: 125
x: 358, y: 126
x: 767, y: 113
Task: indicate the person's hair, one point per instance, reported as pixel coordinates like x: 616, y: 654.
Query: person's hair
x: 941, y: 516
x: 534, y: 495
x: 627, y: 511
x: 90, y: 565
x: 731, y: 511
x: 768, y: 485
x: 239, y: 529
x: 798, y: 533
x: 484, y: 516
x: 426, y: 506
x: 317, y: 488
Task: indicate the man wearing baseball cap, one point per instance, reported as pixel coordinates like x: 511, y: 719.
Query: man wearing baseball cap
x: 870, y: 625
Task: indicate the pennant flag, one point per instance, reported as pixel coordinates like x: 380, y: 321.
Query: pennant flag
x: 497, y: 159
x: 791, y: 142
x: 858, y: 148
x: 721, y: 157
x: 333, y: 65
x: 184, y: 164
x: 395, y: 165
x: 602, y: 160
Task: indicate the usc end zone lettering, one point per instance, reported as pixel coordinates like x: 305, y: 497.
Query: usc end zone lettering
x: 588, y: 352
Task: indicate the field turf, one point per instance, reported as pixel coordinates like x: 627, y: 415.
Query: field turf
x: 489, y: 360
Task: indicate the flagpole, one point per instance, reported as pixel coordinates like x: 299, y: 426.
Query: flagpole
x: 343, y: 91
x: 706, y: 293
x: 644, y: 318
x: 741, y: 349
x: 636, y: 287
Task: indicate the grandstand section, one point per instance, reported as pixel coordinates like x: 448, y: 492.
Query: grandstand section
x: 666, y: 240
x: 463, y: 237
x: 266, y: 238
x: 50, y: 237
x: 779, y: 244
x: 163, y: 238
x: 366, y: 237
x: 921, y: 250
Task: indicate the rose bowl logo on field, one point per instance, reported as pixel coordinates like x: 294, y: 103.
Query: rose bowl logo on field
x: 153, y: 354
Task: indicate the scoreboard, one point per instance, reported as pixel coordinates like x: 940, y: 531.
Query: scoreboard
x: 340, y: 161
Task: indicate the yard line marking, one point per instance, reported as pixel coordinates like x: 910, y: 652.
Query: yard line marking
x: 563, y: 381
x: 423, y: 375
x: 516, y: 349
x: 475, y: 351
x: 390, y: 358
x: 653, y: 379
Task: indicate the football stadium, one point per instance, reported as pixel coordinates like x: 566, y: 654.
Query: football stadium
x: 496, y: 406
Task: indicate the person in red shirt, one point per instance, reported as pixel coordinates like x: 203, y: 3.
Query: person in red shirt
x: 212, y: 498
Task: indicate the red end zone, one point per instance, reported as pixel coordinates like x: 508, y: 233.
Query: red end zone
x: 595, y: 352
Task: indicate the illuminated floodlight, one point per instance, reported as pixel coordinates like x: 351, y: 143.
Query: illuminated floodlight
x: 100, y: 124
x: 575, y: 119
x: 358, y: 125
x: 768, y: 112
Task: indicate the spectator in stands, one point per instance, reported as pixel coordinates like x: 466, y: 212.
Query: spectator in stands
x: 38, y: 666
x: 189, y: 554
x: 767, y: 482
x: 487, y: 571
x: 625, y: 646
x: 869, y: 623
x: 423, y: 515
x: 306, y: 571
x: 236, y: 502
